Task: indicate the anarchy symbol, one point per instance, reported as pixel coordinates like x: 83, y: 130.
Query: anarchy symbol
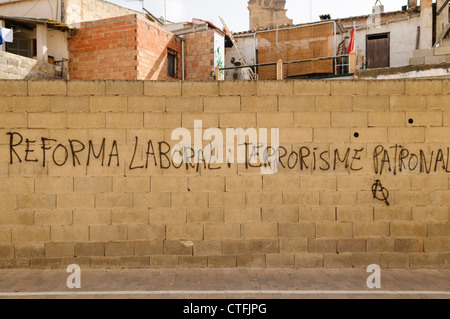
x: 379, y: 192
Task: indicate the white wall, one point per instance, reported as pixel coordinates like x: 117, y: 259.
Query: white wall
x: 403, y: 35
x: 246, y: 46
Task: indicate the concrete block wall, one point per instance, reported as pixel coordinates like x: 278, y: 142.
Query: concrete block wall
x: 16, y: 67
x: 85, y: 175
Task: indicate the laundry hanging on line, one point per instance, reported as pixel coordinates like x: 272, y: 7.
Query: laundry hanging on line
x: 6, y: 35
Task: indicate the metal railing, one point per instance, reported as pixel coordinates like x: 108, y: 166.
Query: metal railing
x: 343, y: 65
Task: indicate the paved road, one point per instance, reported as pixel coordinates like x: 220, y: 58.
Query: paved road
x: 225, y: 284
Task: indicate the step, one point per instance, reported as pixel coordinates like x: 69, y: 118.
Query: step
x: 417, y: 61
x: 436, y: 59
x: 423, y: 53
x: 442, y: 50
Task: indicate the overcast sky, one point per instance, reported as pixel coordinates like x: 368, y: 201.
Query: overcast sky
x: 235, y: 12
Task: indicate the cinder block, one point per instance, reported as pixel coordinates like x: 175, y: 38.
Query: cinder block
x: 424, y: 260
x: 145, y: 232
x: 222, y: 261
x: 370, y: 229
x: 162, y: 88
x: 444, y: 260
x: 432, y: 213
x: 131, y: 184
x: 371, y: 103
x: 237, y: 120
x: 380, y: 244
x: 436, y: 229
x: 438, y: 102
x: 296, y: 103
x: 148, y: 248
x: 9, y: 87
x: 86, y: 120
x: 53, y: 217
x: 77, y: 87
x: 280, y: 260
x: 47, y: 120
x: 363, y: 260
x: 301, y: 230
x: 236, y: 247
x: 275, y: 119
x: 108, y: 103
x: 304, y: 198
x: 349, y: 119
x: 45, y: 263
x: 408, y: 229
x: 337, y: 198
x: 192, y: 262
x: 24, y: 234
x: 105, y: 262
x: 184, y: 232
x: 408, y: 102
x: 54, y: 185
x: 334, y: 103
x: 146, y: 104
x: 153, y: 199
x: 71, y: 233
x: 69, y: 103
x: 333, y: 230
x: 92, y: 184
x: 320, y: 245
x: 113, y: 200
x: 296, y: 135
x: 14, y: 120
x: 6, y: 251
x: 120, y: 87
x: 222, y: 104
x: 328, y: 135
x: 32, y: 250
x: 384, y: 87
x: 167, y: 215
x: 184, y: 104
x: 59, y: 250
x: 129, y: 216
x: 74, y: 201
x: 32, y: 103
x: 312, y: 119
x: 317, y: 214
x: 124, y: 120
x: 17, y: 217
x: 135, y: 262
x: 241, y: 88
x: 163, y: 262
x: 56, y: 87
x: 338, y: 260
x: 189, y: 199
x: 119, y: 249
x: 406, y: 134
x: 348, y: 182
x: 303, y: 87
x: 275, y: 87
x: 351, y: 245
x: 309, y: 260
x: 413, y: 198
x: 222, y: 231
x: 349, y: 87
x: 106, y: 233
x: 283, y: 214
x: 5, y: 104
x: 259, y: 103
x: 390, y: 213
x: 209, y: 120
x: 259, y: 230
x: 408, y: 245
x: 251, y: 261
x: 387, y: 119
x: 37, y: 201
x: 200, y: 88
x: 89, y: 249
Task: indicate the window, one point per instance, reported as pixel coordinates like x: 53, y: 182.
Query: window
x: 19, y: 46
x: 172, y: 63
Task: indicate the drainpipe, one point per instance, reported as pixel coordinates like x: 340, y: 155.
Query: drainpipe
x: 182, y: 59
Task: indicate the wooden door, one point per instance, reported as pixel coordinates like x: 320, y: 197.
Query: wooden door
x: 377, y: 51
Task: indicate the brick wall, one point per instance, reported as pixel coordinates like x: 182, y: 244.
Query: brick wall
x: 85, y: 177
x: 200, y: 55
x: 122, y: 48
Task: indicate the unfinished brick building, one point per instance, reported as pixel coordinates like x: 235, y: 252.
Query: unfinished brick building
x: 124, y: 48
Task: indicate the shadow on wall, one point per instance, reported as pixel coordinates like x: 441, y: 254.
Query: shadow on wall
x: 16, y: 67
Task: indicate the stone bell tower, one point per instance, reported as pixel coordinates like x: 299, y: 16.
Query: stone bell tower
x: 267, y: 13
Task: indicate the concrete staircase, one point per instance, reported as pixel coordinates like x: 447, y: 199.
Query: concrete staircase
x: 437, y: 55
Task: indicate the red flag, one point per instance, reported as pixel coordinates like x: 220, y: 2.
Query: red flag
x: 351, y: 45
